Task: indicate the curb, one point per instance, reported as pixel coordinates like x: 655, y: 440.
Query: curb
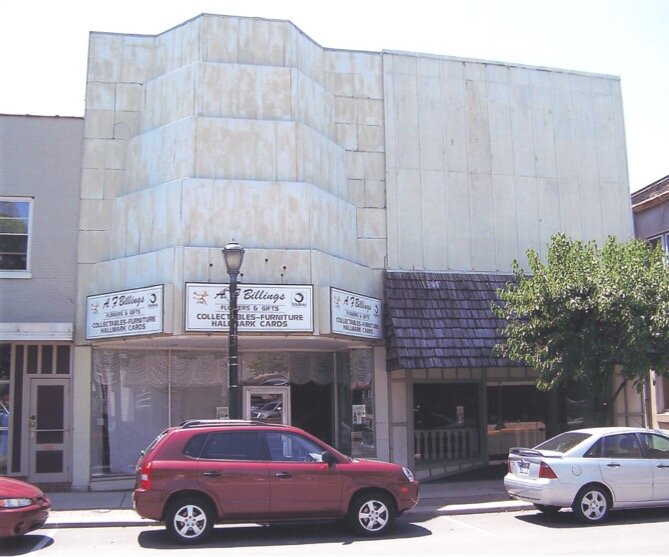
x: 469, y: 508
x: 87, y: 518
x: 93, y: 524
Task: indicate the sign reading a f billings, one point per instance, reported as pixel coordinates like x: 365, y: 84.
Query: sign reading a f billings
x: 126, y: 313
x: 354, y: 314
x: 261, y: 308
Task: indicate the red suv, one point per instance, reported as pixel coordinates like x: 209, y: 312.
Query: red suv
x: 206, y: 472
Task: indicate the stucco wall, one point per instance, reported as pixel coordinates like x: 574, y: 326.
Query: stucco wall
x: 40, y: 159
x: 486, y: 160
x: 227, y: 128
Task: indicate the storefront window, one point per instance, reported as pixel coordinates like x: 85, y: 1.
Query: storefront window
x: 356, y: 402
x: 516, y: 418
x: 136, y: 394
x: 198, y: 386
x: 129, y: 407
x: 446, y: 421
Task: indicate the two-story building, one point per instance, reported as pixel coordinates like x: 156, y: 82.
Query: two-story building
x: 650, y: 206
x: 40, y: 167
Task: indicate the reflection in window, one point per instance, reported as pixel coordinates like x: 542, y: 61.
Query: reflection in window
x: 129, y: 407
x: 288, y: 447
x: 355, y: 402
x: 5, y: 358
x: 516, y: 417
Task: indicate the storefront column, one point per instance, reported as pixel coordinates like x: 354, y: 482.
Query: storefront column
x: 381, y: 407
x: 81, y: 418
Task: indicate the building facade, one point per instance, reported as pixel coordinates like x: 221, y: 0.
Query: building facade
x: 337, y: 171
x: 40, y: 166
x: 650, y: 206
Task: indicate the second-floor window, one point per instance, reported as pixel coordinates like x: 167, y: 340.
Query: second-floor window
x: 14, y: 233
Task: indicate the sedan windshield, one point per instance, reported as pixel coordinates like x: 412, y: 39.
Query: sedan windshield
x: 563, y: 442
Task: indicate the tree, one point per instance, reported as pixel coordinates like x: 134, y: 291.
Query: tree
x: 587, y: 313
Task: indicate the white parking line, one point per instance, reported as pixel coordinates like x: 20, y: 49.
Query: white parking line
x: 479, y: 530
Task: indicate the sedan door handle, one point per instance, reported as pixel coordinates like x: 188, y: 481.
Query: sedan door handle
x: 663, y: 465
x: 211, y: 474
x: 613, y: 465
x: 283, y: 475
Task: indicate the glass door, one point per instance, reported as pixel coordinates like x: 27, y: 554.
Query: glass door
x: 267, y: 404
x: 48, y: 425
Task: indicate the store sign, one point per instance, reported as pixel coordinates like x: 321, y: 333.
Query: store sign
x: 126, y: 313
x: 354, y: 314
x: 261, y: 308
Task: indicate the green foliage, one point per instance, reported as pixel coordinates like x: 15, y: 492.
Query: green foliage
x: 587, y: 312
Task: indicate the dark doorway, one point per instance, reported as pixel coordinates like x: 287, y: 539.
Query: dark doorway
x: 311, y: 409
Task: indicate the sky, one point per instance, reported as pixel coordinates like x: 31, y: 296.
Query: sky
x: 44, y: 45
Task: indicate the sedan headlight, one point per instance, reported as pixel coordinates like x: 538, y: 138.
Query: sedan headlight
x: 409, y: 474
x: 14, y: 503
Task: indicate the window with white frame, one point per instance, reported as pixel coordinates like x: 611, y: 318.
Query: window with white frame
x: 15, y: 213
x: 662, y: 240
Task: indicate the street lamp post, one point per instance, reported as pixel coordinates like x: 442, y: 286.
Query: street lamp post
x: 233, y: 254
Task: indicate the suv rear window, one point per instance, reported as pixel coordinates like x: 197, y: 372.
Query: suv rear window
x: 563, y: 442
x: 234, y: 445
x: 154, y: 442
x: 194, y: 446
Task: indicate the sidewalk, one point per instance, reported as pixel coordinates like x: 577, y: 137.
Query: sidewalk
x: 447, y: 497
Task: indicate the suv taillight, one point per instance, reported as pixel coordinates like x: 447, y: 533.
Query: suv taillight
x: 546, y: 471
x: 144, y: 476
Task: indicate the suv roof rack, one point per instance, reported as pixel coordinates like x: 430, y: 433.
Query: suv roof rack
x: 205, y: 423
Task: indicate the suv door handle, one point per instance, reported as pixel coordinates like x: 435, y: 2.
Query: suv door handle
x: 283, y: 475
x: 211, y: 474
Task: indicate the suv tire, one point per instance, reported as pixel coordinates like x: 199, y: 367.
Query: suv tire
x: 371, y: 514
x: 189, y: 519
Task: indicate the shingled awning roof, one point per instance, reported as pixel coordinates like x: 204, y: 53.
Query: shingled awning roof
x: 442, y: 320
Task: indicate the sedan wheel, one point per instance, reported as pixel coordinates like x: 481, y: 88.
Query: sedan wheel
x: 189, y: 520
x: 372, y: 514
x: 592, y: 504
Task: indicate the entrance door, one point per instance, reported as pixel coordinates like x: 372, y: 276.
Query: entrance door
x: 267, y: 404
x: 49, y: 430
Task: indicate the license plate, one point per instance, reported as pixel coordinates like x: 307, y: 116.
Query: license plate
x: 523, y: 467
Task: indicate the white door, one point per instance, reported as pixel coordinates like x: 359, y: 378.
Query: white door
x: 625, y: 470
x: 48, y: 430
x: 267, y: 404
x: 657, y: 450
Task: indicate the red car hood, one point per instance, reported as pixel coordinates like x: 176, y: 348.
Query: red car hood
x: 11, y: 488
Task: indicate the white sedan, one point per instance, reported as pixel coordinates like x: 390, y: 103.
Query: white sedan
x: 593, y: 471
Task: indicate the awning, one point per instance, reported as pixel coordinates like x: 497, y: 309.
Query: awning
x: 36, y: 332
x: 442, y: 320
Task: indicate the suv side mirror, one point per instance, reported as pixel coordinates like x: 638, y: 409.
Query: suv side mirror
x: 328, y: 458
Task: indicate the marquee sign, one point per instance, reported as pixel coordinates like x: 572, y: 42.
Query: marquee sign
x: 262, y: 308
x: 125, y: 313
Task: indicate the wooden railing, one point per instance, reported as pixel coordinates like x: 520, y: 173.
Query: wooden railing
x: 444, y: 444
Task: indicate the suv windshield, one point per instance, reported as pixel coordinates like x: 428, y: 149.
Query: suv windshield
x: 563, y: 442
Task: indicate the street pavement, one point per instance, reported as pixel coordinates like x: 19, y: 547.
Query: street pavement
x: 442, y: 497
